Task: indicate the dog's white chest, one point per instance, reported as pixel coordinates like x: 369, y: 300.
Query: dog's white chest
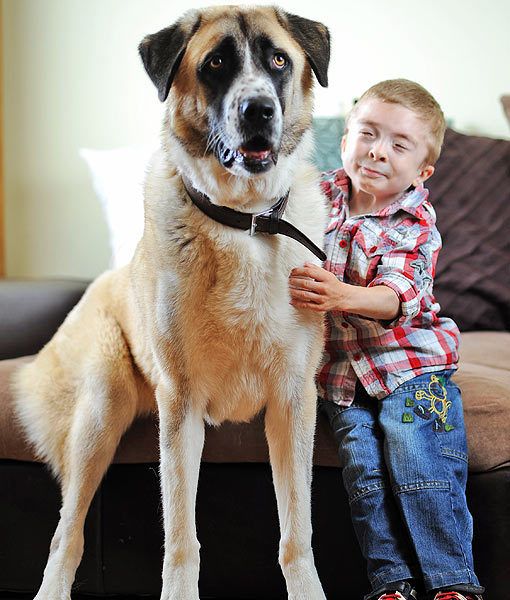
x: 239, y: 336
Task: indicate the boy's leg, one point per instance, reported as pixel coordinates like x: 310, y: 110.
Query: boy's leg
x: 382, y: 537
x: 426, y: 455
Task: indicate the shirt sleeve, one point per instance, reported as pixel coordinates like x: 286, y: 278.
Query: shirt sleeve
x: 408, y: 268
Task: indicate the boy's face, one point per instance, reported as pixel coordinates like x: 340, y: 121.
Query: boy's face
x: 385, y: 148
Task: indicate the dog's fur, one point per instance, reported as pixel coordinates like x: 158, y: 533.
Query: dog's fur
x: 198, y: 325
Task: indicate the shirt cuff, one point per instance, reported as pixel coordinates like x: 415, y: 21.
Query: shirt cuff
x: 405, y: 290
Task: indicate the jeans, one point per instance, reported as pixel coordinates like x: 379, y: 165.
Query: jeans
x: 404, y: 464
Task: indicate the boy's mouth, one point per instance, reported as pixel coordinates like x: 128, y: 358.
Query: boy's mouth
x: 372, y: 172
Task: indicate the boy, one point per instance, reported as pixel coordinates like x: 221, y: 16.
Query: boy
x: 385, y: 383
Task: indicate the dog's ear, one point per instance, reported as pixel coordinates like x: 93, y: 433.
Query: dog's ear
x: 314, y: 38
x: 162, y: 52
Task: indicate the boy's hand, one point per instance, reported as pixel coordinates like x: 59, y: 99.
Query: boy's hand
x: 314, y: 288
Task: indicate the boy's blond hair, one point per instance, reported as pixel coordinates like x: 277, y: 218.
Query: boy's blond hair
x: 415, y: 97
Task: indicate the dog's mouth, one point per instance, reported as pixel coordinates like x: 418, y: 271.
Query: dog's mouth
x: 256, y: 155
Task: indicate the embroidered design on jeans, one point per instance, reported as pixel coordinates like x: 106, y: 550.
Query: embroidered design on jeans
x: 439, y: 404
x: 407, y: 417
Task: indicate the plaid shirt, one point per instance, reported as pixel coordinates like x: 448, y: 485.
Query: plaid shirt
x: 398, y: 247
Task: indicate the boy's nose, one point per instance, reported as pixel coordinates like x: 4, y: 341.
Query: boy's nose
x: 377, y: 152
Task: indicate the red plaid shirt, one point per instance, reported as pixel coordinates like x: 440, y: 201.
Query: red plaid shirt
x: 398, y: 247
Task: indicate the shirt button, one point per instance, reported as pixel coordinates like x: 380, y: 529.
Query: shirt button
x: 373, y: 249
x: 357, y: 357
x: 343, y: 244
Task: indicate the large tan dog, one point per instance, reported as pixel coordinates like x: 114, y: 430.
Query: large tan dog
x: 199, y: 324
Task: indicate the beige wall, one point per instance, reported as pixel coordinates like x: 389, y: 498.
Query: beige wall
x: 73, y: 79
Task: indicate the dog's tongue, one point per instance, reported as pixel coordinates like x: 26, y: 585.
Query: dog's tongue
x: 255, y: 154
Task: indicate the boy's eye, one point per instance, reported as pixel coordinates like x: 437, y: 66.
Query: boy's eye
x: 400, y: 147
x: 366, y: 133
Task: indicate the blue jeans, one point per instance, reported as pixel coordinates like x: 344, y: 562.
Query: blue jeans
x: 404, y: 464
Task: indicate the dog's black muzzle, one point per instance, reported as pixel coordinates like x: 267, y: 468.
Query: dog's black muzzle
x: 257, y: 123
x: 256, y: 118
x: 256, y: 114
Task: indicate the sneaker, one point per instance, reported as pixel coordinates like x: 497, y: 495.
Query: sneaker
x: 398, y: 590
x: 453, y: 595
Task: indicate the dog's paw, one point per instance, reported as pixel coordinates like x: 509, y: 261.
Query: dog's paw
x: 43, y: 595
x: 180, y: 590
x: 303, y: 581
x: 178, y: 595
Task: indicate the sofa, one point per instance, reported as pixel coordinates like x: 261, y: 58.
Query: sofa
x: 236, y: 508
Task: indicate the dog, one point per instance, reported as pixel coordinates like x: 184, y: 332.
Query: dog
x: 199, y: 325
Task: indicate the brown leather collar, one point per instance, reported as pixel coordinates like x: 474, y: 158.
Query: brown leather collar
x: 269, y: 221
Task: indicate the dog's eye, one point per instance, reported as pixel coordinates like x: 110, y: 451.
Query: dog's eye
x: 216, y: 62
x: 279, y: 60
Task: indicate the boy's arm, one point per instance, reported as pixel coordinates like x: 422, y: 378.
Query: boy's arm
x: 403, y: 275
x: 317, y: 289
x: 409, y: 268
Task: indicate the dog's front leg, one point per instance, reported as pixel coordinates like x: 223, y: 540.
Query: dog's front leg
x: 290, y: 426
x: 181, y: 441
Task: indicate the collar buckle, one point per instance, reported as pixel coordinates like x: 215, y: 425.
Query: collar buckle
x: 255, y: 216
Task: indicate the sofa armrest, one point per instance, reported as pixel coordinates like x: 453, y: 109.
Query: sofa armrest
x: 32, y: 310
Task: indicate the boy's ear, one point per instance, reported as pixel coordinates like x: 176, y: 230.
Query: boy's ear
x: 426, y: 172
x: 343, y: 142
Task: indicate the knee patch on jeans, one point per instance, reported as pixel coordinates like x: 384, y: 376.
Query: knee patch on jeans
x: 416, y: 486
x: 363, y: 491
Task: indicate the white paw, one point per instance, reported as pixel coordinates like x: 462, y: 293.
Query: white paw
x: 302, y: 580
x: 44, y: 595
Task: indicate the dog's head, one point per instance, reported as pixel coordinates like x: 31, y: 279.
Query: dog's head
x: 238, y: 82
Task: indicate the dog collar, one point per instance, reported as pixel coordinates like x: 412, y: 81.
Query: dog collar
x: 268, y: 221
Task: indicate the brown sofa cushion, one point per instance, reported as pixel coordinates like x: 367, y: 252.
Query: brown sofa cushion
x: 470, y: 191
x: 32, y: 311
x: 483, y: 376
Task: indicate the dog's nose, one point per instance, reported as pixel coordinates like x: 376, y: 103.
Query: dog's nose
x: 257, y: 111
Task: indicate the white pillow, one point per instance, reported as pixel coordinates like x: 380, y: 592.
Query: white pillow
x: 117, y: 178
